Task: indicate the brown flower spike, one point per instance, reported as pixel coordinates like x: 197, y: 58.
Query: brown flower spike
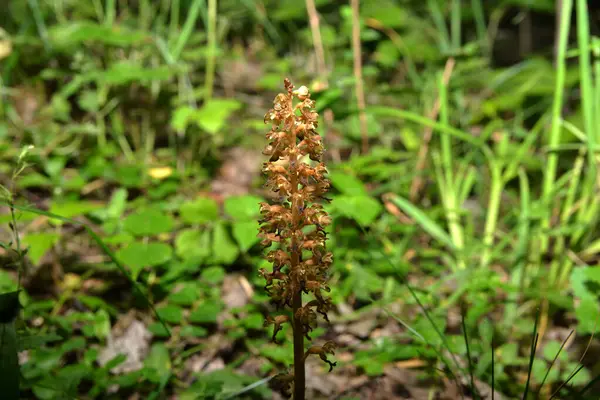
x: 296, y: 224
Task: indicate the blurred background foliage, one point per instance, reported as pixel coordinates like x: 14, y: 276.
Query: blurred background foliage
x: 464, y: 194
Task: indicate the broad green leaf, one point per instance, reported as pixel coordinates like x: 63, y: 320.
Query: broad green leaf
x: 193, y: 244
x: 213, y: 114
x: 582, y: 378
x: 347, y: 183
x: 387, y: 54
x: 245, y: 233
x: 199, y: 211
x: 171, y: 313
x: 148, y: 222
x: 39, y: 244
x: 428, y: 224
x: 243, y: 208
x: 158, y: 330
x: 181, y: 118
x: 160, y: 361
x: 186, y: 295
x: 73, y: 208
x: 224, y: 249
x: 587, y: 315
x: 101, y: 324
x: 552, y: 348
x: 363, y: 209
x: 30, y: 342
x: 138, y: 255
x: 592, y: 274
x: 214, y: 275
x: 539, y: 369
x: 8, y: 282
x: 206, y: 313
x: 193, y: 331
x: 117, y: 204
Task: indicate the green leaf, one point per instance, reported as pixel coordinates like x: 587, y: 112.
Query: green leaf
x: 254, y: 321
x: 581, y: 378
x: 363, y: 209
x: 347, y: 184
x: 101, y: 324
x: 214, y: 113
x: 158, y: 330
x: 245, y: 233
x: 509, y: 353
x: 243, y: 208
x: 159, y: 361
x: 387, y: 54
x: 73, y: 208
x: 592, y: 274
x: 118, y: 202
x: 181, y: 118
x: 29, y: 342
x: 199, y: 211
x: 148, y: 222
x: 428, y: 224
x: 539, y: 369
x: 552, y: 348
x: 224, y: 249
x: 39, y: 244
x: 125, y: 72
x: 192, y: 244
x: 138, y: 255
x: 186, y: 295
x: 387, y: 13
x: 74, y: 33
x: 206, y: 313
x: 193, y: 331
x: 214, y: 275
x: 171, y: 313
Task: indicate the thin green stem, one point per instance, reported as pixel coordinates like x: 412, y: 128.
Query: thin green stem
x: 455, y: 24
x: 555, y: 133
x: 212, y: 49
x: 497, y: 185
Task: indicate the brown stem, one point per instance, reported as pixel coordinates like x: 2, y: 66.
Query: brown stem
x: 299, y: 379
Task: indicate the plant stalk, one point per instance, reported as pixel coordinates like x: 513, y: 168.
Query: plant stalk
x: 299, y: 373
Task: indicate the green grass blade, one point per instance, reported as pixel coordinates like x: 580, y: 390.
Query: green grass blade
x: 455, y: 24
x: 555, y: 133
x: 440, y: 24
x: 585, y: 83
x: 428, y: 224
x: 382, y: 111
x: 469, y: 359
x: 534, y: 343
x: 188, y: 28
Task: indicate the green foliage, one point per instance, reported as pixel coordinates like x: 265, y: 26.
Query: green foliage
x: 503, y: 223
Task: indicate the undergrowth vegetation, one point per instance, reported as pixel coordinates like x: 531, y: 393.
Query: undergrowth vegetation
x: 461, y: 144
